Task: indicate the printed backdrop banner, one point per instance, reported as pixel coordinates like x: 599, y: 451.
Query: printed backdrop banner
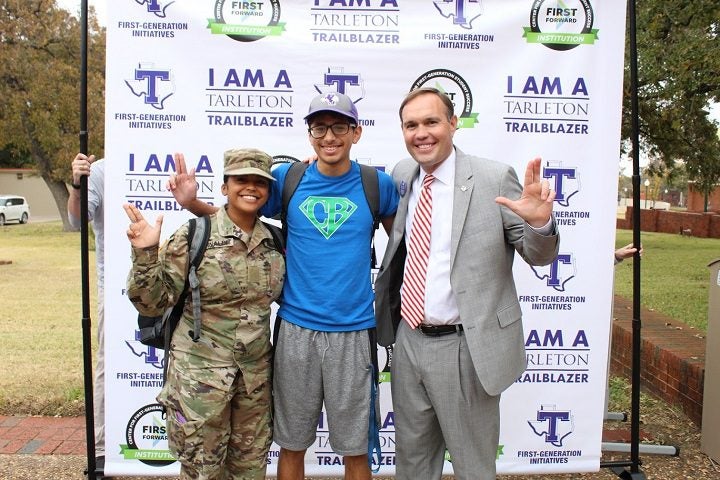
x: 528, y: 78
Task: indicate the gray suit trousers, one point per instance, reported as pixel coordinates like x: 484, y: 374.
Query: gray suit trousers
x: 442, y: 400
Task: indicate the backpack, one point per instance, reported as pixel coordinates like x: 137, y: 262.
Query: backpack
x: 157, y: 331
x: 371, y: 188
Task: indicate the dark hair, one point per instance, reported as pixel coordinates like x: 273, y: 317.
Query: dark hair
x: 449, y: 107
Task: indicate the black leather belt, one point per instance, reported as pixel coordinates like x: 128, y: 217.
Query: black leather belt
x: 439, y: 330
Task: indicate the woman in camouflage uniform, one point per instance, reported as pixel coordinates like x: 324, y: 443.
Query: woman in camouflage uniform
x: 218, y: 391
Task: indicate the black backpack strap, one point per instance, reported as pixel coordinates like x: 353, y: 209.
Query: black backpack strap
x: 371, y: 187
x: 197, y: 252
x: 292, y: 180
x: 277, y: 237
x: 279, y: 245
x: 173, y: 317
x: 374, y: 449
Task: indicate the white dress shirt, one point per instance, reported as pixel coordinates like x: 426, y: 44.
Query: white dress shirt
x: 440, y: 305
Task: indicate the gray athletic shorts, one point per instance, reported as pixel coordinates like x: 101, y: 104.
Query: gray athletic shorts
x: 312, y: 367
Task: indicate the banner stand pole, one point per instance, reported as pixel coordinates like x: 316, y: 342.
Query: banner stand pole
x: 84, y: 255
x: 620, y: 468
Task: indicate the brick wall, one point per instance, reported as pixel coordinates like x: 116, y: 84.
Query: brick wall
x: 696, y: 199
x: 672, y: 357
x: 705, y: 225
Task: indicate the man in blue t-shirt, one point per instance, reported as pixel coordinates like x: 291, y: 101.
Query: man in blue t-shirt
x: 323, y: 351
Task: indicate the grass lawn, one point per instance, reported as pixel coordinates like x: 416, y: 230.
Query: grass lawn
x: 40, y: 319
x: 674, y: 274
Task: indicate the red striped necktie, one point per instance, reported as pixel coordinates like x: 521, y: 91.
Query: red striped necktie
x: 412, y: 307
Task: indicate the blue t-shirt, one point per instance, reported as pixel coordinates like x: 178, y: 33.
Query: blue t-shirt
x: 328, y: 285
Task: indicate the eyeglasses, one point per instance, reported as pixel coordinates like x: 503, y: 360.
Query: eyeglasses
x: 337, y: 128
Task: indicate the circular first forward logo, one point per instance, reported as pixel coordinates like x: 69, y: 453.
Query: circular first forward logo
x: 561, y: 26
x: 246, y: 21
x: 455, y: 87
x: 146, y: 436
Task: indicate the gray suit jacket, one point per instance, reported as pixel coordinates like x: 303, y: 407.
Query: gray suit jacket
x: 484, y: 238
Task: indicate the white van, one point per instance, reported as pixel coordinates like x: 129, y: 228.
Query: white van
x: 13, y: 208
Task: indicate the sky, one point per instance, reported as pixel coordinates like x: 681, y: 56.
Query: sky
x: 74, y: 7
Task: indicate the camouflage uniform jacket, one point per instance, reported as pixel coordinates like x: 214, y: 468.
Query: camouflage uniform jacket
x: 240, y: 276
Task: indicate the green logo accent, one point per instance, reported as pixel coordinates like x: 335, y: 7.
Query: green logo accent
x: 385, y: 377
x: 561, y: 38
x: 139, y: 454
x: 448, y: 458
x: 217, y: 28
x: 467, y: 121
x: 335, y: 212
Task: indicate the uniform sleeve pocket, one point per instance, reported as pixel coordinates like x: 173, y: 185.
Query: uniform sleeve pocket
x: 509, y: 315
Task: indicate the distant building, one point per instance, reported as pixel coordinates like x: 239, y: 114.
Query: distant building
x: 696, y: 199
x: 27, y: 183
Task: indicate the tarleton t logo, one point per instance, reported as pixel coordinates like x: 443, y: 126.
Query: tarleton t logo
x: 327, y: 213
x: 564, y: 181
x: 152, y: 76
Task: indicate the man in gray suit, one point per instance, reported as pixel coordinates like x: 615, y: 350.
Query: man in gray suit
x: 449, y: 371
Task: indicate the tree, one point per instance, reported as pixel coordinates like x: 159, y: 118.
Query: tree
x: 40, y: 88
x: 678, y: 62
x: 8, y: 159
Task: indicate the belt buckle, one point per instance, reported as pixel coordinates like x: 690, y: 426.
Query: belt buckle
x: 428, y: 331
x: 434, y: 330
x: 439, y: 330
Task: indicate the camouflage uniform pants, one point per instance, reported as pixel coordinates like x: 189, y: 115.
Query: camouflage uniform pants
x: 216, y: 434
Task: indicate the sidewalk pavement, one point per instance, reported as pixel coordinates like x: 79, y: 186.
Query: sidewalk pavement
x: 42, y: 435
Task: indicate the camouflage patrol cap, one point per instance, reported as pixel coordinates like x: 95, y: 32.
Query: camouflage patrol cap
x: 247, y: 161
x: 333, y: 102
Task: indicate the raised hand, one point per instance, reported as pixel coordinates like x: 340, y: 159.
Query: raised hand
x: 626, y: 252
x: 536, y: 202
x: 140, y: 233
x: 182, y: 184
x: 81, y: 166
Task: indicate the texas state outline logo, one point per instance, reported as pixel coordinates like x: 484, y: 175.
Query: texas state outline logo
x: 147, y: 354
x: 153, y: 84
x: 558, y: 273
x: 337, y: 79
x: 552, y: 424
x: 563, y: 180
x: 156, y: 7
x: 462, y: 12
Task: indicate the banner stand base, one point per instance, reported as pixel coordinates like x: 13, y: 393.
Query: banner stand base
x: 650, y: 448
x: 96, y: 475
x: 625, y: 475
x: 616, y: 416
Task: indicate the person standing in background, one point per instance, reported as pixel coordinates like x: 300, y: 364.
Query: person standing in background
x: 86, y: 165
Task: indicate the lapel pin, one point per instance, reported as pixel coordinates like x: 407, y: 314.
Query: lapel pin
x: 403, y: 188
x: 463, y: 188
